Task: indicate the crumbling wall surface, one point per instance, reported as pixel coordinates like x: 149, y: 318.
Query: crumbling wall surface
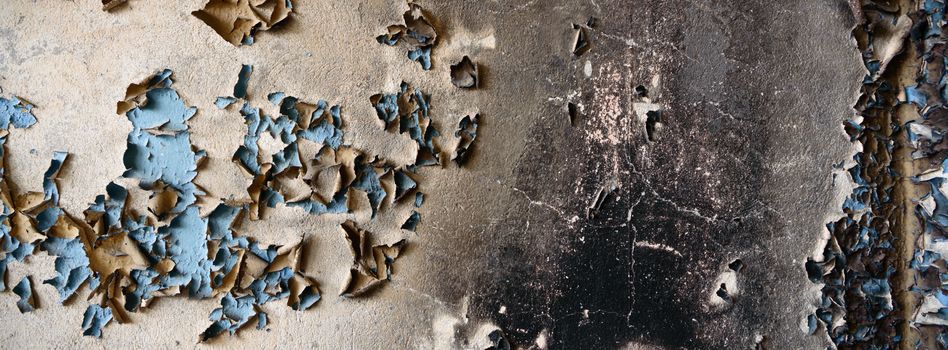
x: 648, y: 174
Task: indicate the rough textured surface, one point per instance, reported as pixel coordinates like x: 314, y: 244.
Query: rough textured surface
x: 585, y: 235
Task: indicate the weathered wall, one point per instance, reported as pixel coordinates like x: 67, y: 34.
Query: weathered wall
x: 752, y: 98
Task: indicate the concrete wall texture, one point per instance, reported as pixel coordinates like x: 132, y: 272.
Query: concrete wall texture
x: 648, y: 174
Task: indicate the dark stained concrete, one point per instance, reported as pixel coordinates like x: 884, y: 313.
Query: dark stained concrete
x: 752, y: 96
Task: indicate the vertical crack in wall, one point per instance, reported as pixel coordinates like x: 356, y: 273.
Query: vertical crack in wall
x: 904, y: 75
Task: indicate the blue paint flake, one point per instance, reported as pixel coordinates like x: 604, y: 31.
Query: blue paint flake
x: 233, y: 314
x: 419, y: 199
x: 50, y: 189
x: 404, y: 184
x: 307, y: 298
x: 95, y: 318
x: 224, y: 101
x: 412, y: 222
x: 416, y: 33
x: 422, y: 55
x: 367, y: 180
x: 24, y: 290
x: 409, y: 109
x: 72, y: 265
x: 200, y: 254
x: 159, y: 145
x: 187, y: 247
x: 243, y: 80
x: 276, y: 97
x: 466, y: 133
x: 16, y: 112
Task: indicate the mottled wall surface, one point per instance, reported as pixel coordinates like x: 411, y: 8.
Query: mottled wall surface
x: 611, y: 230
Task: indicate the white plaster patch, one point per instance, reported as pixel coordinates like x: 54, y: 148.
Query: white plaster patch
x: 270, y: 145
x: 642, y: 108
x: 464, y: 40
x: 541, y: 341
x: 728, y: 279
x: 658, y: 246
x: 443, y: 329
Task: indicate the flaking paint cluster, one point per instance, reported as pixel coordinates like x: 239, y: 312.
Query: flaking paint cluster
x: 187, y: 241
x: 863, y: 301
